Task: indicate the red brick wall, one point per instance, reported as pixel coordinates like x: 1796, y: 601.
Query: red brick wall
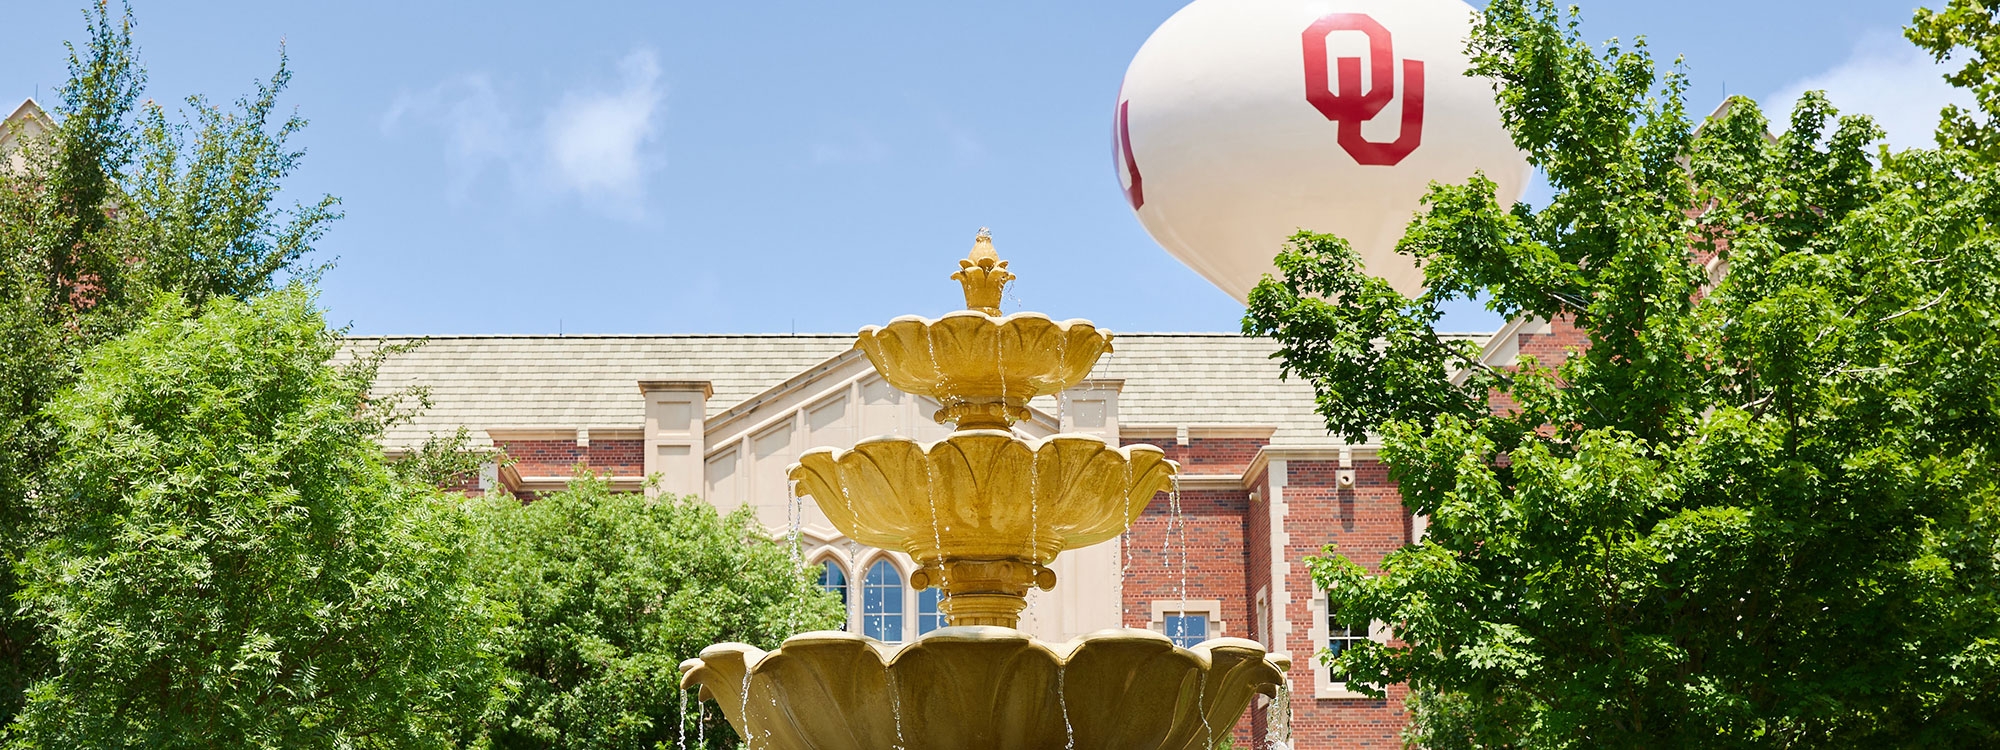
x: 465, y: 484
x: 1210, y: 456
x: 1555, y: 345
x: 1214, y: 561
x: 1257, y: 569
x: 1367, y: 522
x: 558, y: 458
x: 1550, y: 349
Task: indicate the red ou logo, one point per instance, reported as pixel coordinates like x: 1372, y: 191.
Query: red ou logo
x: 1134, y: 193
x: 1347, y: 106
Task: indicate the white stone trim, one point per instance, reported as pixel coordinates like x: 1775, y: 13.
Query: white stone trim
x: 1223, y: 482
x: 1281, y: 598
x: 1324, y: 688
x: 1260, y: 617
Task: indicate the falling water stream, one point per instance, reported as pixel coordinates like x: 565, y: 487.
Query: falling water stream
x: 1062, y: 699
x: 895, y: 705
x: 1125, y: 552
x: 1201, y: 705
x: 1034, y: 523
x: 1034, y: 508
x: 796, y: 514
x: 1278, y: 719
x: 1034, y: 467
x: 1180, y: 521
x: 1062, y: 366
x: 1167, y: 538
x: 749, y: 732
x: 937, y: 533
x: 930, y: 494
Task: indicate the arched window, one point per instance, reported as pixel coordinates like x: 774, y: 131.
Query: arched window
x: 928, y: 616
x: 833, y: 579
x: 882, y: 603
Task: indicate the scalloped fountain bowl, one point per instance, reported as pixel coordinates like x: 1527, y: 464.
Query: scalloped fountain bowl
x: 969, y: 358
x: 985, y: 687
x: 983, y: 493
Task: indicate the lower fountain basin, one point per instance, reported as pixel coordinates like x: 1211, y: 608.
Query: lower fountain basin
x: 985, y: 687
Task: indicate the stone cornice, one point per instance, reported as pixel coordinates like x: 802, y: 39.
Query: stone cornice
x: 1307, y: 453
x: 515, y: 482
x: 1205, y: 431
x: 707, y: 389
x: 1211, y: 482
x: 565, y: 433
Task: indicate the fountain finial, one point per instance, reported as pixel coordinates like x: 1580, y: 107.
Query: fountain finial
x: 983, y: 274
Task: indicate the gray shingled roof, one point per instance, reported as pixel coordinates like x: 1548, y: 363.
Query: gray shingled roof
x: 487, y: 382
x: 1208, y: 378
x: 562, y: 382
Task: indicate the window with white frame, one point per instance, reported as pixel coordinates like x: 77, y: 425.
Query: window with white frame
x: 1188, y: 622
x: 1187, y: 628
x: 882, y: 603
x: 1341, y: 637
x: 1337, y: 637
x: 929, y: 618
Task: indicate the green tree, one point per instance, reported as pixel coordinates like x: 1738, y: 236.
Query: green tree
x: 1968, y: 31
x: 119, y: 203
x: 231, y: 562
x: 1759, y: 511
x: 614, y: 591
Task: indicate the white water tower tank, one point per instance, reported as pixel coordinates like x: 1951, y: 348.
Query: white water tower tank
x: 1243, y: 121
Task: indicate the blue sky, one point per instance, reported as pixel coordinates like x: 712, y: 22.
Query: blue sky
x: 513, y: 167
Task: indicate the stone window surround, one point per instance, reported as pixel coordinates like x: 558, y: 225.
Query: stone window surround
x: 1324, y: 688
x: 1211, y: 607
x: 856, y: 569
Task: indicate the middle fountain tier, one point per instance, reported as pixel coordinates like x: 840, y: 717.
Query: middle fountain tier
x: 984, y: 512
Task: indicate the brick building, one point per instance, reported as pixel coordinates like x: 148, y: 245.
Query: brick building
x: 1262, y: 484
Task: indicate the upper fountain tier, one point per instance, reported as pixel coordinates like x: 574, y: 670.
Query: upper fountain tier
x: 981, y: 366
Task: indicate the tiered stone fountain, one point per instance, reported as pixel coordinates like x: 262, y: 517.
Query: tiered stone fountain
x: 984, y: 512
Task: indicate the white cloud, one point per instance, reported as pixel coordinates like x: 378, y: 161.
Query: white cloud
x: 597, y: 144
x: 477, y: 132
x: 597, y: 141
x: 1886, y: 78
